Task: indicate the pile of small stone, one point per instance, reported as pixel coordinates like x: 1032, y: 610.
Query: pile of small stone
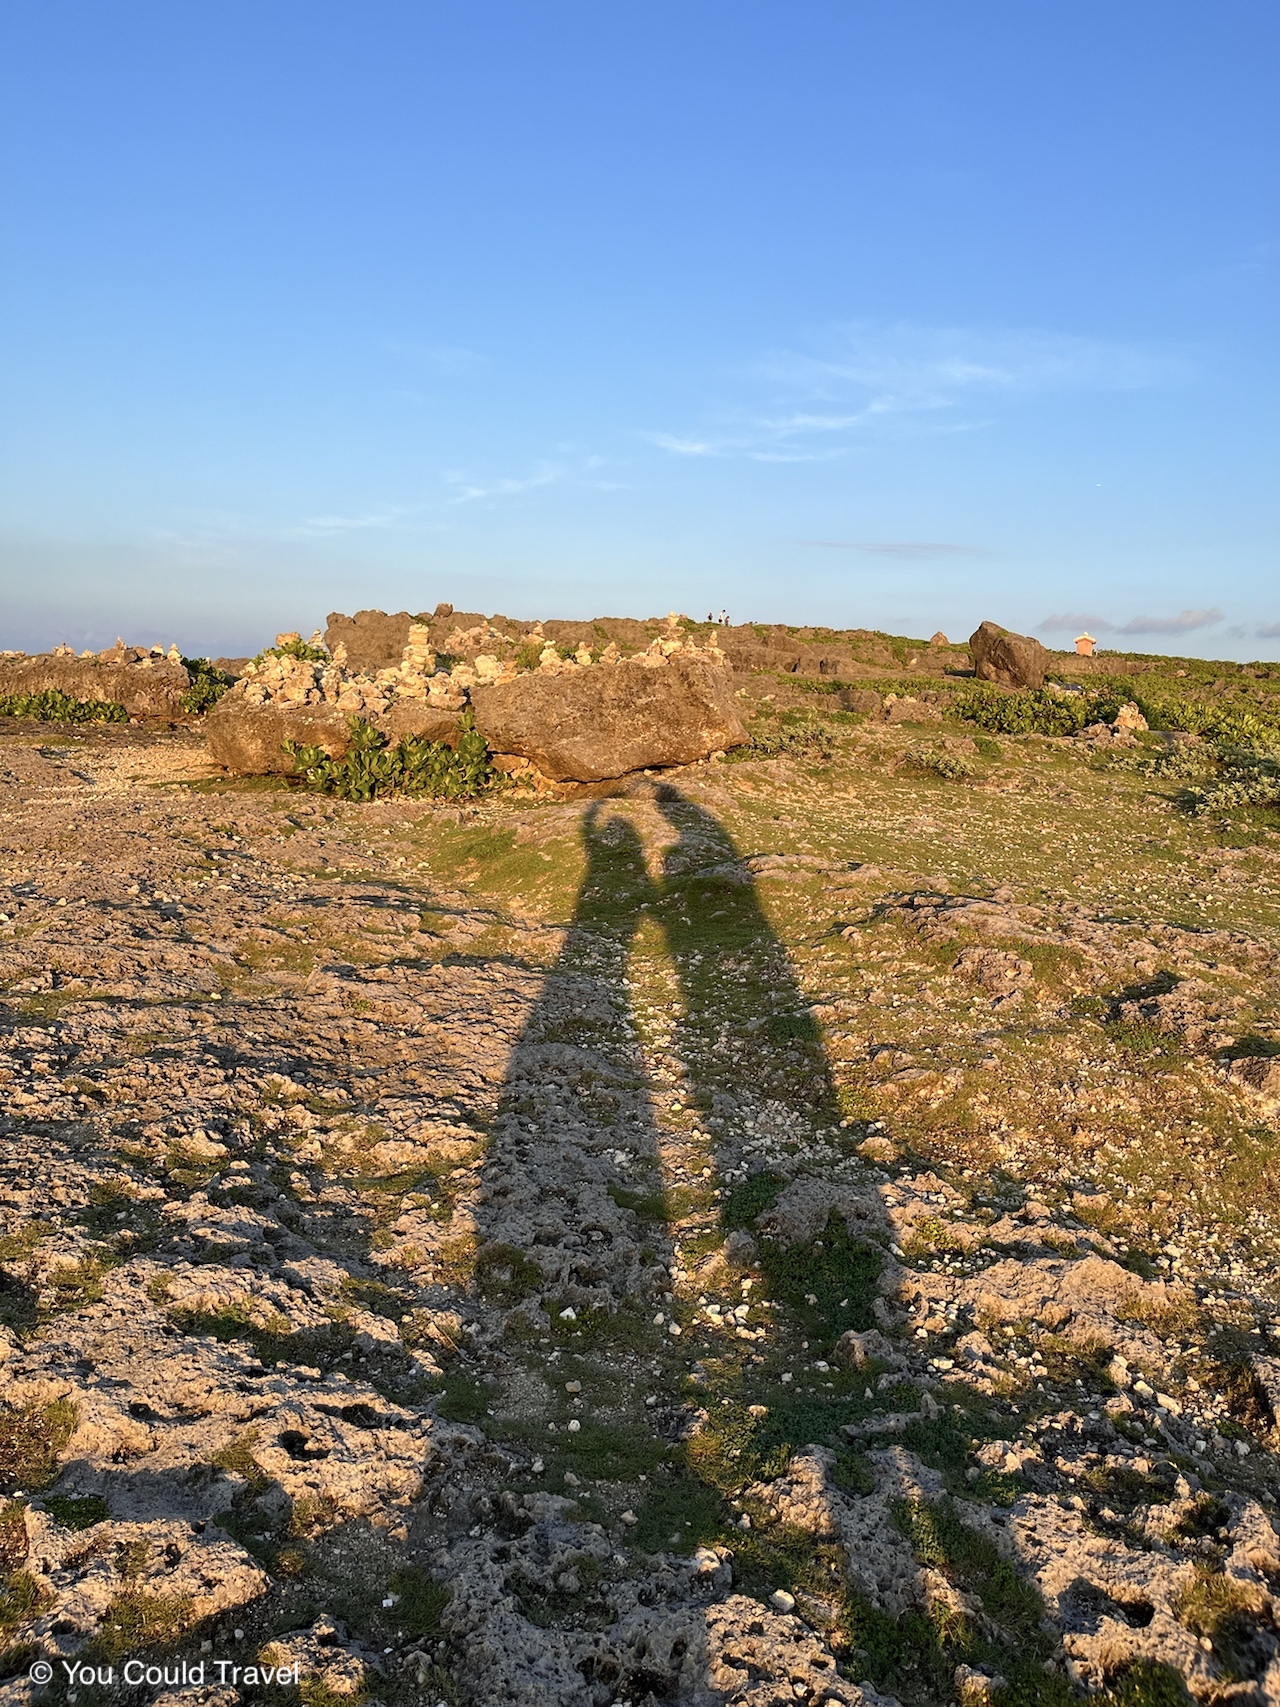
x: 474, y: 657
x: 146, y: 656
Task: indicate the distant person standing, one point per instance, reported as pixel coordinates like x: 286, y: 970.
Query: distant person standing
x: 723, y: 619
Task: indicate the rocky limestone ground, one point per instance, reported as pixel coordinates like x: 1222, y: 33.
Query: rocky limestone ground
x: 801, y: 1230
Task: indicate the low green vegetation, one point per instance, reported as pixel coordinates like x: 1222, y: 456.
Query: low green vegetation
x: 793, y: 734
x: 1248, y: 721
x: 373, y: 768
x: 51, y: 705
x: 294, y: 648
x: 32, y: 1437
x: 136, y: 1621
x: 77, y: 1513
x: 1033, y: 711
x: 1227, y: 1612
x: 941, y: 761
x: 208, y: 684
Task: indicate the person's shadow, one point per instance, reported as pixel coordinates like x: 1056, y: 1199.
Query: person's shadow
x: 659, y: 1343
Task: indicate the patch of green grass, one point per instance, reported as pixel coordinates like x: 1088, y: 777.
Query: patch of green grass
x: 852, y: 1473
x: 135, y: 1621
x: 13, y: 1534
x: 1231, y: 1614
x: 74, y: 1286
x: 32, y: 1437
x: 742, y: 1441
x: 749, y: 1199
x: 464, y: 1398
x: 605, y: 1451
x: 944, y: 1444
x: 686, y: 1507
x: 1146, y: 1683
x: 19, y: 1308
x: 77, y: 1513
x: 1069, y: 1359
x: 237, y: 1457
x: 941, y: 1540
x: 315, y: 1692
x: 20, y: 1600
x: 504, y: 1275
x: 1126, y: 1488
x: 378, y: 1298
x: 422, y: 1601
x: 228, y: 1322
x: 15, y: 1247
x: 829, y: 1284
x: 940, y: 761
x: 17, y: 1659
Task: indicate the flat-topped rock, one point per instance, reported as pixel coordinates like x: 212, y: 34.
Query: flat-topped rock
x: 599, y: 723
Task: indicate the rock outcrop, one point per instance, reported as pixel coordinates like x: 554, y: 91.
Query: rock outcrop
x: 584, y: 716
x: 596, y: 724
x: 249, y: 739
x: 1009, y: 660
x: 146, y: 684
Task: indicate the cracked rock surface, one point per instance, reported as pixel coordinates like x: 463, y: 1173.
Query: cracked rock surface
x: 781, y: 1234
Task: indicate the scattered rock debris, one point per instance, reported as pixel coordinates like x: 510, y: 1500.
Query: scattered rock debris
x: 761, y: 1239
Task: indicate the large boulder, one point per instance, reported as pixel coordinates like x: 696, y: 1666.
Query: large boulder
x: 1010, y: 660
x: 144, y: 689
x: 249, y: 739
x: 418, y: 717
x: 592, y: 724
x: 374, y: 639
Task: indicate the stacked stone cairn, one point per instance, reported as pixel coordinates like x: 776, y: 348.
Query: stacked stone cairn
x: 473, y: 657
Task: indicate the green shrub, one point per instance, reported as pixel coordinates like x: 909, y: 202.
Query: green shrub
x: 1245, y: 779
x: 295, y: 649
x: 1032, y: 711
x: 1177, y: 764
x: 51, y: 705
x: 1232, y: 726
x: 1040, y: 711
x: 789, y: 738
x: 208, y: 684
x: 938, y: 761
x: 372, y: 767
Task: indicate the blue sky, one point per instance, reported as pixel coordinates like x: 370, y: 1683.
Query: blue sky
x: 902, y: 314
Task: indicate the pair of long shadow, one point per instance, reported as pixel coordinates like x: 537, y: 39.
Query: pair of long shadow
x: 576, y: 1133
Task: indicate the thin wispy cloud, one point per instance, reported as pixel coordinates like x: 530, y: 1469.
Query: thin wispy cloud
x: 869, y: 381
x: 1267, y: 631
x: 1063, y: 622
x: 1186, y: 622
x: 347, y: 524
x: 679, y: 446
x: 467, y: 491
x: 440, y: 358
x: 897, y: 547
